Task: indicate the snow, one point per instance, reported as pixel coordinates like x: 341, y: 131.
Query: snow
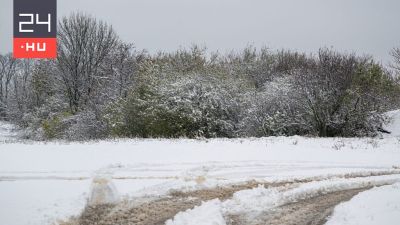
x: 256, y: 200
x: 260, y: 199
x: 103, y: 191
x: 380, y: 205
x: 7, y: 132
x: 36, y: 202
x: 394, y: 123
x: 209, y: 213
x: 153, y: 167
x: 42, y: 182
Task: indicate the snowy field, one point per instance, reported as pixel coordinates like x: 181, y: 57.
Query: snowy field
x: 380, y: 205
x: 42, y: 183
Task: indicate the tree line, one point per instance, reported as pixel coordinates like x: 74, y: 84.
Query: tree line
x: 100, y: 87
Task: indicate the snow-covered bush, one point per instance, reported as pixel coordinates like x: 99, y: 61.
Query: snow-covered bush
x: 191, y: 106
x: 99, y: 88
x: 275, y: 110
x: 343, y: 95
x: 85, y: 125
x: 209, y: 106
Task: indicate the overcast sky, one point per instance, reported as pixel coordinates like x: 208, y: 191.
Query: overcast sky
x: 363, y: 26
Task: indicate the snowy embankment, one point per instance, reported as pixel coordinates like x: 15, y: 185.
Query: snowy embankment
x: 380, y: 205
x: 41, y: 183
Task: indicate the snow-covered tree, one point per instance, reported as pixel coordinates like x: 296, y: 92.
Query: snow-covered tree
x: 83, y: 46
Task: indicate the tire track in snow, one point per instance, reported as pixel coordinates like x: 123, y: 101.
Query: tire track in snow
x: 311, y: 201
x: 312, y: 211
x: 25, y: 175
x: 157, y: 211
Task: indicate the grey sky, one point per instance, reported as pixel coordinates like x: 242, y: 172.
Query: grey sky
x: 364, y: 26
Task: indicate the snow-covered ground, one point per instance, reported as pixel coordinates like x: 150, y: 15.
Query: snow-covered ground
x: 41, y: 183
x: 254, y: 201
x: 380, y: 205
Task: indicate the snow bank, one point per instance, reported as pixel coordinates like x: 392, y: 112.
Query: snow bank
x: 209, y: 213
x: 103, y: 191
x: 260, y: 199
x: 256, y: 199
x: 380, y: 205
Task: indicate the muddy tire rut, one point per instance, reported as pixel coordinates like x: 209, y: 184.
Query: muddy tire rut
x: 311, y: 211
x: 156, y: 212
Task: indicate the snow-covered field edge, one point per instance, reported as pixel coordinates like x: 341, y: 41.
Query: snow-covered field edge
x: 380, y: 205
